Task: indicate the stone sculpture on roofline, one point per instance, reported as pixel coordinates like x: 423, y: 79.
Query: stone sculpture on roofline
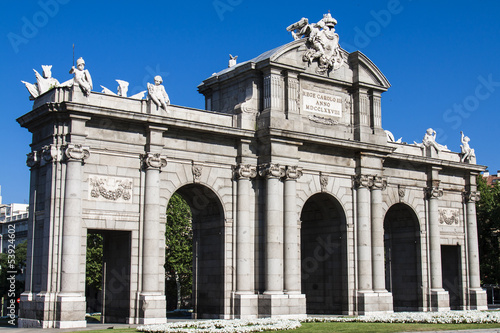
x: 83, y: 80
x: 322, y: 42
x: 43, y: 83
x: 81, y: 76
x: 122, y: 90
x: 157, y: 93
x: 468, y: 153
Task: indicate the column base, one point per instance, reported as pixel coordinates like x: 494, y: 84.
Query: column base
x: 51, y: 310
x: 374, y: 302
x: 478, y: 299
x: 440, y: 300
x: 246, y: 306
x: 70, y: 310
x: 153, y: 309
x: 284, y: 306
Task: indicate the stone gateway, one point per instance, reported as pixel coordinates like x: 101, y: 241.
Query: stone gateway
x: 301, y: 202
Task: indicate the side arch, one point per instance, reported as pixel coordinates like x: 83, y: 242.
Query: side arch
x: 324, y: 255
x: 208, y: 223
x: 403, y: 257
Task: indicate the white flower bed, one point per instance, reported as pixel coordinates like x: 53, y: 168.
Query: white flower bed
x: 223, y: 326
x: 448, y: 317
x: 268, y: 324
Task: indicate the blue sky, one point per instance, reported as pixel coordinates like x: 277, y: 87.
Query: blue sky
x: 441, y: 58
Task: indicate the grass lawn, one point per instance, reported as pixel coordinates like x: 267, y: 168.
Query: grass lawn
x: 357, y: 327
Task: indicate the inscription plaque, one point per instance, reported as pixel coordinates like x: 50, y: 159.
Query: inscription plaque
x: 320, y: 103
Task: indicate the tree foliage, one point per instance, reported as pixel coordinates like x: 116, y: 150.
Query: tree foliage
x: 488, y: 223
x: 179, y: 249
x: 93, y: 275
x: 19, y: 265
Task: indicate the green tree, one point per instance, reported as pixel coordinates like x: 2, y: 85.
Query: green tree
x: 19, y: 265
x: 488, y: 223
x: 93, y: 275
x: 179, y: 249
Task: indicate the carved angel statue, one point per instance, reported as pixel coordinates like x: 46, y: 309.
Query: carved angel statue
x: 467, y: 151
x: 81, y: 76
x: 157, y: 93
x: 122, y: 90
x: 429, y: 140
x: 232, y: 60
x: 43, y: 83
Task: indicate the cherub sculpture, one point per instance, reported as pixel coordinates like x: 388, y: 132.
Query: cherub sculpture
x: 429, y: 140
x: 157, y: 93
x: 82, y: 76
x: 43, y: 83
x: 467, y: 151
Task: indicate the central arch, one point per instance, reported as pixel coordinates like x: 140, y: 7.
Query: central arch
x: 324, y: 255
x: 207, y: 216
x: 403, y: 258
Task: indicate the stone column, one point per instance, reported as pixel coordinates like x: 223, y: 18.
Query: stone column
x: 71, y: 299
x: 383, y: 301
x: 377, y: 218
x: 244, y: 233
x: 477, y: 296
x: 439, y: 297
x: 153, y: 300
x: 292, y: 283
x: 246, y: 301
x: 473, y: 251
x: 27, y: 307
x: 274, y: 229
x: 72, y: 218
x: 433, y: 193
x: 363, y: 183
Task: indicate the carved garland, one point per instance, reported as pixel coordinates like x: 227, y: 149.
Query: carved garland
x: 449, y: 217
x: 99, y: 189
x: 322, y: 120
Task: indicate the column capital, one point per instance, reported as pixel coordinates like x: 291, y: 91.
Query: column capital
x: 76, y: 152
x: 50, y: 153
x: 379, y: 183
x: 244, y: 171
x: 272, y: 170
x: 361, y: 181
x: 433, y: 192
x: 471, y: 196
x: 153, y: 161
x: 293, y: 172
x: 33, y: 159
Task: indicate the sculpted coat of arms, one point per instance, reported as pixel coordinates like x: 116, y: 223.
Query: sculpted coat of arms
x: 322, y: 42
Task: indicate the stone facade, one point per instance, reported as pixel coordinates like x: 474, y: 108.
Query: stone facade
x: 300, y: 205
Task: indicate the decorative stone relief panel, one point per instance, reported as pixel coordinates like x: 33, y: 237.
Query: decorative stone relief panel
x: 105, y: 188
x: 449, y: 216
